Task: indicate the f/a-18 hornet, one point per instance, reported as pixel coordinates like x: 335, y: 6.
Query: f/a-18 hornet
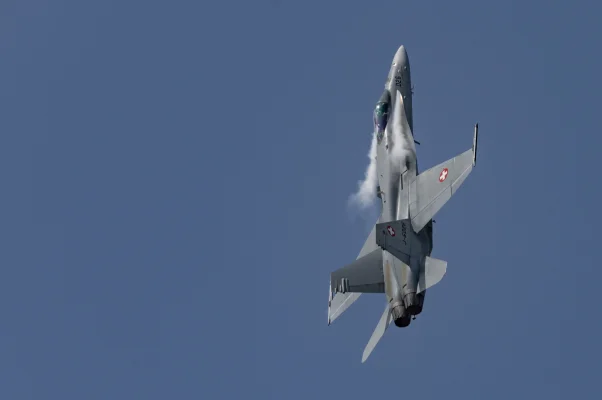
x: 396, y: 257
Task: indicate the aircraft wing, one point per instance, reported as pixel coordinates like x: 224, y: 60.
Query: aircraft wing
x: 434, y: 187
x: 364, y: 275
x: 361, y: 276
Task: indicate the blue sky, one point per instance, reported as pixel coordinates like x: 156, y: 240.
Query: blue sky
x: 175, y: 179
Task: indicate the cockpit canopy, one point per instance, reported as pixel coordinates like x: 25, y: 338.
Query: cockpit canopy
x: 381, y: 115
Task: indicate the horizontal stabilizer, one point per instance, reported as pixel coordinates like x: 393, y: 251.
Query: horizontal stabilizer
x: 364, y: 275
x: 378, y: 333
x: 433, y: 272
x: 339, y: 303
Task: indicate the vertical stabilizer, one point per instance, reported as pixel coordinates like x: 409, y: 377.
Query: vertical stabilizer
x: 378, y: 333
x: 432, y: 273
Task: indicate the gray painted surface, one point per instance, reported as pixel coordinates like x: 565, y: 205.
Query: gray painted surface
x: 395, y: 259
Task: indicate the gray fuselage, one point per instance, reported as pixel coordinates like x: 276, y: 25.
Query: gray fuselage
x: 396, y: 169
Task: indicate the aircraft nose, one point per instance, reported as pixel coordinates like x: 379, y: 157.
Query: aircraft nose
x: 401, y: 57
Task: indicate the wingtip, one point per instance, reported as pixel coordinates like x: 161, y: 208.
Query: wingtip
x: 474, y: 144
x: 329, y: 299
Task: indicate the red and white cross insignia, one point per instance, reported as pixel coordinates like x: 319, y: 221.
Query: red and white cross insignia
x: 443, y: 175
x: 391, y: 230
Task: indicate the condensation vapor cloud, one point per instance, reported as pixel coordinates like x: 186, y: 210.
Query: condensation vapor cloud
x: 401, y: 149
x: 366, y: 192
x: 401, y: 145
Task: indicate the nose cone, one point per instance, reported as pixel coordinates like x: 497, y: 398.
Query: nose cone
x: 401, y: 57
x: 400, y: 80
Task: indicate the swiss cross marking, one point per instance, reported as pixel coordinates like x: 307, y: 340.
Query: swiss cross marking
x: 443, y: 175
x: 391, y: 230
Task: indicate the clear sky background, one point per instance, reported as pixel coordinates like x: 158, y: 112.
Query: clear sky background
x: 175, y: 178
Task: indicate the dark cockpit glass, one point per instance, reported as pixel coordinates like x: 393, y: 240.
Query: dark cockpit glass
x: 381, y: 115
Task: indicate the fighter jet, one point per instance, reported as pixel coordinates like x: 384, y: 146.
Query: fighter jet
x: 396, y: 257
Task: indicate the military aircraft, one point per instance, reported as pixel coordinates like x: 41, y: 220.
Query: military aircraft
x: 396, y: 257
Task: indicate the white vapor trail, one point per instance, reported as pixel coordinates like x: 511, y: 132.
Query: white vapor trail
x: 366, y: 192
x: 401, y: 148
